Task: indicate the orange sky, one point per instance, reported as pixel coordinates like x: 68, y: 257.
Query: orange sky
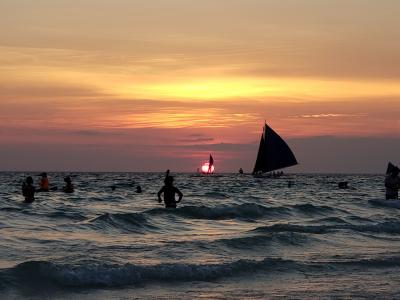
x: 185, y: 73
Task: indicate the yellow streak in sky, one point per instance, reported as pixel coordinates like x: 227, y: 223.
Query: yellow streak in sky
x: 234, y: 88
x: 205, y: 89
x: 199, y: 118
x: 56, y: 68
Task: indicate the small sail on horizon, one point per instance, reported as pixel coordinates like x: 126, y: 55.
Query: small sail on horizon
x: 273, y: 153
x: 210, y: 164
x: 207, y: 167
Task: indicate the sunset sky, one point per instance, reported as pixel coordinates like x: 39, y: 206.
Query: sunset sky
x: 128, y: 85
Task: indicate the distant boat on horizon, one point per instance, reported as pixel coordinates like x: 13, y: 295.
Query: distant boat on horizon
x: 273, y: 153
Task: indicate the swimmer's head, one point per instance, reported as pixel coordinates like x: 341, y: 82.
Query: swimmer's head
x: 29, y: 180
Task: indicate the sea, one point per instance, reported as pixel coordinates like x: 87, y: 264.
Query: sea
x: 232, y: 237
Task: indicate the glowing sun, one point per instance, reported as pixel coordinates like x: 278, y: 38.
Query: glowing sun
x: 205, y: 168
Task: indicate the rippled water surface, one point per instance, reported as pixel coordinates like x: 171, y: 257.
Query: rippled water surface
x: 232, y: 237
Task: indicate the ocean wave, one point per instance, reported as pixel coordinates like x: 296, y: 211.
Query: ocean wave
x: 385, y: 203
x: 282, y: 238
x: 316, y: 229
x: 135, y: 222
x: 242, y: 211
x: 384, y: 262
x: 216, y: 195
x: 336, y: 220
x: 103, y: 275
x: 43, y: 273
x: 12, y: 209
x: 73, y: 215
x: 310, y: 208
x: 245, y: 211
x: 387, y: 227
x: 390, y: 227
x: 391, y: 261
x: 358, y: 218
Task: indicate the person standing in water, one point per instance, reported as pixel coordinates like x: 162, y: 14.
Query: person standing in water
x: 392, y: 184
x: 28, y: 190
x: 68, y: 188
x: 169, y: 191
x: 44, y: 183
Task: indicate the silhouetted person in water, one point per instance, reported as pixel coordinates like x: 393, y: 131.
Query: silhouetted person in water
x: 68, y: 188
x: 28, y: 190
x: 113, y: 187
x: 392, y: 184
x: 138, y: 189
x: 169, y: 191
x: 44, y: 183
x: 240, y: 171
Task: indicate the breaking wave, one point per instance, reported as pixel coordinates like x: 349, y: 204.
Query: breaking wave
x: 104, y: 275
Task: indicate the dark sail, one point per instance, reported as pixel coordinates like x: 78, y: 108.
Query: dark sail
x: 260, y: 161
x: 390, y: 168
x: 273, y: 153
x: 210, y: 164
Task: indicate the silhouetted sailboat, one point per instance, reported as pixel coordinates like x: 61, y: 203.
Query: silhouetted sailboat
x: 273, y: 153
x: 390, y: 168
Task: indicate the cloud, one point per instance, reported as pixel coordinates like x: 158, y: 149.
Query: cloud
x: 232, y: 122
x: 95, y: 133
x: 221, y: 147
x: 35, y: 91
x: 197, y: 138
x: 331, y: 115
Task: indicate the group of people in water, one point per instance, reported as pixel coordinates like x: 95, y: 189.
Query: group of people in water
x: 392, y: 183
x: 29, y: 190
x: 169, y: 191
